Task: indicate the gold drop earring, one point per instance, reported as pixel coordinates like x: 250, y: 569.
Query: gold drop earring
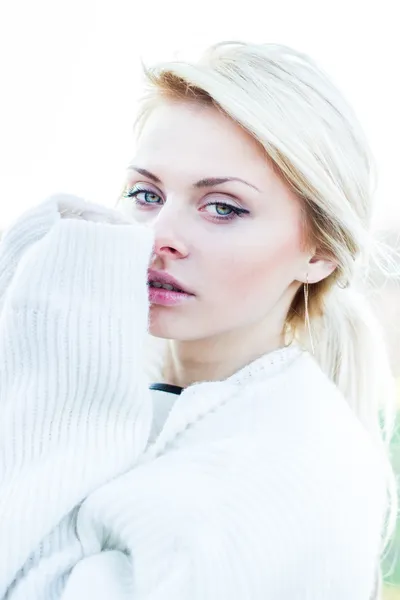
x: 307, y: 322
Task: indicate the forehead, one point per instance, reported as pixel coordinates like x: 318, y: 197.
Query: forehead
x: 201, y: 141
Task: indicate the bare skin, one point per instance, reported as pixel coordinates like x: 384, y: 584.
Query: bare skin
x: 243, y: 269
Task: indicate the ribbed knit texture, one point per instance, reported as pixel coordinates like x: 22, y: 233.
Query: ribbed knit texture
x: 261, y: 486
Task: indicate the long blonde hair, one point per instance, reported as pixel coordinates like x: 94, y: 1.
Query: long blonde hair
x: 315, y: 142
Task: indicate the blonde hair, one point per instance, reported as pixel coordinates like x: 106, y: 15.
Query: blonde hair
x: 311, y: 135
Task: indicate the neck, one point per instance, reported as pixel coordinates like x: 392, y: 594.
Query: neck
x: 216, y: 358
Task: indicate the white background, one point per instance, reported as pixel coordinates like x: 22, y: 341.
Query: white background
x: 70, y: 75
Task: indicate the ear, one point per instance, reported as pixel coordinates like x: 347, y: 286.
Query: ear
x: 317, y: 268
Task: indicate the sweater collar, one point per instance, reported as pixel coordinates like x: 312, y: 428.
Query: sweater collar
x: 266, y: 365
x: 260, y: 368
x: 200, y: 399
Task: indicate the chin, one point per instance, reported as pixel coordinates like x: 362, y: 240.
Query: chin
x: 161, y: 325
x: 164, y: 324
x: 158, y: 332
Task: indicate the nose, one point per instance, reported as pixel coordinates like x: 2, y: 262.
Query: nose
x: 169, y: 242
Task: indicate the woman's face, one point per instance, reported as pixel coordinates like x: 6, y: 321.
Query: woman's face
x: 236, y: 244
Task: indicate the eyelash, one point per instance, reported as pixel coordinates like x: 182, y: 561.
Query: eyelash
x: 237, y: 212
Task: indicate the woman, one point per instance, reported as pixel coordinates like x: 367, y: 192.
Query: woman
x: 255, y: 465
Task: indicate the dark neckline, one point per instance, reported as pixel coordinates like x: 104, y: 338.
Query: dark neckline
x: 166, y: 387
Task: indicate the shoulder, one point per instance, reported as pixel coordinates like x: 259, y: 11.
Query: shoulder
x: 313, y: 458
x: 308, y: 424
x: 294, y: 443
x: 299, y: 417
x: 303, y: 400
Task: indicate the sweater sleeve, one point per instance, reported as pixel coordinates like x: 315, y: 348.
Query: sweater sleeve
x: 73, y: 320
x: 288, y: 516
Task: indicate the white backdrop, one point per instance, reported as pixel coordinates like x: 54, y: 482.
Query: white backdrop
x: 70, y: 76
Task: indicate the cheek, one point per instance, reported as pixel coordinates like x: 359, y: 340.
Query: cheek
x: 256, y: 268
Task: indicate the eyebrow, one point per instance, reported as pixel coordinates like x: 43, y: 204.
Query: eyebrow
x: 203, y: 183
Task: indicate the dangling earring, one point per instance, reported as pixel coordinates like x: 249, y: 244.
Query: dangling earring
x: 307, y: 316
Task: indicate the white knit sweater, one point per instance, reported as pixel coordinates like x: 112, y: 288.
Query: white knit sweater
x: 263, y: 486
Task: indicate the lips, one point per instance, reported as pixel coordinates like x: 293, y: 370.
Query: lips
x: 163, y: 277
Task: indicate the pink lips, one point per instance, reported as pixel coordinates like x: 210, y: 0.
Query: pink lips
x: 167, y: 297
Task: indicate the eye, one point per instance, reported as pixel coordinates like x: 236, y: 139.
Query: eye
x: 226, y: 212
x: 142, y: 196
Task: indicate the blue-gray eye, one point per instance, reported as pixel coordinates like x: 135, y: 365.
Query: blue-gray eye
x: 148, y: 196
x: 225, y: 207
